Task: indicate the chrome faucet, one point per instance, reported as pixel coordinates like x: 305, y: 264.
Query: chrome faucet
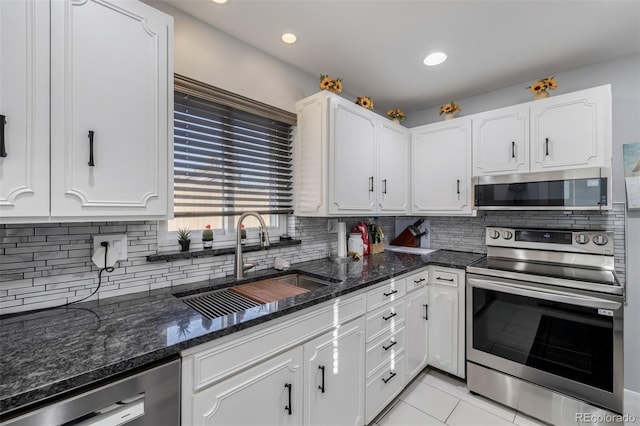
x: 239, y: 265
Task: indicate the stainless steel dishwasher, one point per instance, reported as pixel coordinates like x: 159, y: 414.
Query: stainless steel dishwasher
x: 148, y: 398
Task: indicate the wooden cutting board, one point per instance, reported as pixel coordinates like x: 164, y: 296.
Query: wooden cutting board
x: 266, y: 291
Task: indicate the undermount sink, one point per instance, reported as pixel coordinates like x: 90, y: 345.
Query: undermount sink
x: 302, y: 281
x: 246, y: 296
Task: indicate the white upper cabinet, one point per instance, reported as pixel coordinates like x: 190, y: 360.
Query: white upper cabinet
x: 352, y: 158
x: 24, y: 109
x: 501, y: 141
x: 348, y: 160
x: 557, y: 133
x: 112, y: 104
x: 572, y: 131
x: 393, y: 170
x: 441, y: 168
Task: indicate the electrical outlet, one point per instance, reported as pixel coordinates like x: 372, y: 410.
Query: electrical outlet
x: 117, y: 243
x: 332, y: 226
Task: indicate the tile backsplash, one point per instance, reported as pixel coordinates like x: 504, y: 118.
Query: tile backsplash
x: 43, y: 265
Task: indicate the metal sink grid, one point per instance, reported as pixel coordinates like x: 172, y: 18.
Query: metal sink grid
x: 219, y: 303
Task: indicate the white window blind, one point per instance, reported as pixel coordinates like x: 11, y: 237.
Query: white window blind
x: 231, y: 154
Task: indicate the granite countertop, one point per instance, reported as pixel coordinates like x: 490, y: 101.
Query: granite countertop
x: 50, y: 353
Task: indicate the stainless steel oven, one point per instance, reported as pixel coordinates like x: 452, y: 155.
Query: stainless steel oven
x: 544, y: 322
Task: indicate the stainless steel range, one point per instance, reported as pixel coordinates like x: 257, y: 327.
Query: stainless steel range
x: 544, y: 323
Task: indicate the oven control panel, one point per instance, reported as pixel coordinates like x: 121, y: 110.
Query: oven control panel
x: 587, y: 241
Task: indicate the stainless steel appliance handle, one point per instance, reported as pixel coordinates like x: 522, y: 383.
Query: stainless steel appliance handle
x: 551, y: 295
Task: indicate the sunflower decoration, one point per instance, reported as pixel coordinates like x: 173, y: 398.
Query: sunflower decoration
x: 543, y: 84
x: 449, y: 108
x: 331, y: 84
x: 365, y: 102
x: 396, y: 114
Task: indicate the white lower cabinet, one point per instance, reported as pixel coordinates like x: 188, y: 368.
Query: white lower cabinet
x: 272, y: 376
x: 417, y: 330
x: 334, y: 375
x: 384, y: 385
x: 446, y: 347
x: 273, y: 388
x: 338, y: 363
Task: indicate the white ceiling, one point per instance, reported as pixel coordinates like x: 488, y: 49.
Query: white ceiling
x: 377, y: 46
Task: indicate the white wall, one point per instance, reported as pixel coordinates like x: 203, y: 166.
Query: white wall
x: 209, y: 55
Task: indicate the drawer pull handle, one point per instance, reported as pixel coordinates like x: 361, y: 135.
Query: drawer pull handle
x: 91, y: 163
x: 386, y: 348
x: 3, y: 150
x: 458, y: 186
x: 384, y: 186
x: 389, y: 378
x: 393, y: 314
x: 513, y: 149
x: 418, y: 281
x: 371, y: 184
x: 426, y: 312
x: 444, y: 279
x: 321, y: 387
x: 288, y: 407
x: 390, y: 293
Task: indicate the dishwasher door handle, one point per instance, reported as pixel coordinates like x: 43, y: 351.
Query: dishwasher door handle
x: 117, y: 414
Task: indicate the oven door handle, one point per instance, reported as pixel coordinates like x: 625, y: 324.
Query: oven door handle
x: 551, y: 295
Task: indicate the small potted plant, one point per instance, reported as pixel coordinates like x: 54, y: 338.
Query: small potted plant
x: 365, y: 102
x: 184, y: 238
x: 449, y: 110
x: 243, y: 234
x: 539, y: 88
x: 207, y: 237
x: 396, y: 114
x: 331, y: 84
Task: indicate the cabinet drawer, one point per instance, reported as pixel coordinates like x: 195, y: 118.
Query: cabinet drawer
x: 205, y: 366
x: 417, y: 280
x: 385, y: 319
x: 384, y: 348
x: 444, y: 277
x: 393, y: 290
x: 383, y: 386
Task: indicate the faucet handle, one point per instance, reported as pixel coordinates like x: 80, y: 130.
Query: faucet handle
x: 248, y: 266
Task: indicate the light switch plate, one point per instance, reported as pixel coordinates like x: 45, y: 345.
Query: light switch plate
x: 117, y: 243
x: 332, y: 226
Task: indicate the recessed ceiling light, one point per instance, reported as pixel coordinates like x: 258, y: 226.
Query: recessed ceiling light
x: 289, y: 38
x: 436, y: 58
x: 219, y: 1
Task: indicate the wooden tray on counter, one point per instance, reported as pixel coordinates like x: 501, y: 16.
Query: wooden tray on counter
x: 266, y: 291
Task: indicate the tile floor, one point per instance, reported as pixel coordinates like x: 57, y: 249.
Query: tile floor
x: 434, y: 398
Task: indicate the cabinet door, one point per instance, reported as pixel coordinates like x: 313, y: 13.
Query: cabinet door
x: 393, y: 170
x: 441, y: 167
x: 334, y: 370
x: 24, y: 107
x: 417, y: 329
x: 269, y: 393
x: 311, y: 157
x: 501, y: 141
x: 443, y: 328
x: 110, y: 128
x: 572, y: 131
x: 351, y: 169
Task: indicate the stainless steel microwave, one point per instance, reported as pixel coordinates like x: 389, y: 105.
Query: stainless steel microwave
x: 579, y: 189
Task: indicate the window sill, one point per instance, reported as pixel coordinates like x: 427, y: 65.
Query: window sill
x: 176, y: 255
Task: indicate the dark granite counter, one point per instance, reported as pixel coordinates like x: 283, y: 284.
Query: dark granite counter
x: 49, y: 354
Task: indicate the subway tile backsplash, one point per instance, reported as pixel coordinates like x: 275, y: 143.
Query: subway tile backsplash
x: 43, y: 265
